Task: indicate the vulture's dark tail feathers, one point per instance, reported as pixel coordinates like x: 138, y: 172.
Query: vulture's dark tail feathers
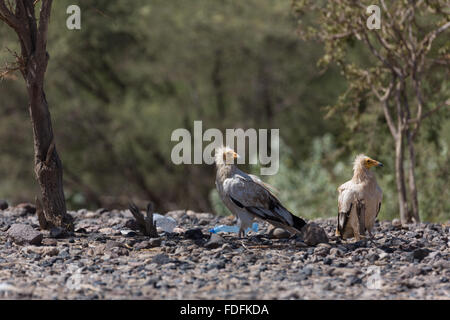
x: 299, y: 223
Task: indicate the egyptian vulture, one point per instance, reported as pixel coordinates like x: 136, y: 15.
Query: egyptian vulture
x: 359, y: 200
x: 247, y: 197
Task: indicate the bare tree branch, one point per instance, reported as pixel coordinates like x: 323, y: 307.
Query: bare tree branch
x: 374, y: 51
x: 429, y: 113
x: 8, y: 17
x: 384, y: 101
x: 429, y: 38
x: 41, y: 39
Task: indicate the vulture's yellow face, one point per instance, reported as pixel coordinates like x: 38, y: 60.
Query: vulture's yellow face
x: 229, y: 156
x: 369, y: 163
x: 226, y: 155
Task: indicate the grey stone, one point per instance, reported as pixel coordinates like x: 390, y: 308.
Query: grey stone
x: 24, y: 234
x: 396, y: 223
x: 161, y: 259
x: 56, y: 232
x: 314, y: 234
x: 419, y: 254
x: 113, y: 244
x: 214, y: 242
x: 194, y: 234
x: 279, y: 233
x: 154, y: 242
x: 3, y: 205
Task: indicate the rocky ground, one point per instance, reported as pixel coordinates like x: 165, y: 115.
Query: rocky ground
x: 105, y: 259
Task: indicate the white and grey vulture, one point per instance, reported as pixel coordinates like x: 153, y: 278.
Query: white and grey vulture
x: 359, y: 200
x: 247, y: 197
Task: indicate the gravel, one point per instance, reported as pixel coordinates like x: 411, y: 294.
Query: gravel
x: 105, y: 259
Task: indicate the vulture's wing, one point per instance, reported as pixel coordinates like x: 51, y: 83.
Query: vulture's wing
x: 346, y: 200
x: 266, y: 186
x: 379, y: 195
x: 254, y: 197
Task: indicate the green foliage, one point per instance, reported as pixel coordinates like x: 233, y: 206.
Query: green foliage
x: 217, y: 204
x: 309, y: 187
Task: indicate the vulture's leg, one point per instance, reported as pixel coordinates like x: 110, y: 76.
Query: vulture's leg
x: 356, y: 234
x: 337, y: 233
x: 371, y: 238
x: 241, y: 233
x: 361, y: 210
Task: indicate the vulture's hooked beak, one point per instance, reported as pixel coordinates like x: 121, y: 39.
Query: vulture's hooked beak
x: 235, y: 155
x: 369, y: 163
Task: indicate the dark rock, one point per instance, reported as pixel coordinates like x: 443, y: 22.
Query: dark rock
x: 214, y: 242
x: 314, y: 234
x: 142, y: 245
x: 3, y: 205
x: 321, y: 251
x: 419, y: 254
x: 113, y: 244
x: 57, y: 233
x: 101, y: 210
x: 49, y: 242
x: 161, y: 259
x: 64, y: 254
x: 327, y: 261
x: 372, y: 257
x: 352, y: 280
x: 170, y: 243
x: 411, y: 271
x: 219, y: 265
x: 194, y: 234
x: 154, y: 242
x: 386, y: 249
x: 307, y: 271
x: 24, y: 234
x: 132, y: 224
x: 27, y: 208
x: 152, y: 281
x: 128, y: 233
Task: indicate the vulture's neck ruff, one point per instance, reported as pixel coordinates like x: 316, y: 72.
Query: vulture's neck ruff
x: 360, y: 172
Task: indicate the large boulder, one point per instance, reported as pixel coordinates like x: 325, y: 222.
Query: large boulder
x: 313, y: 234
x: 24, y: 234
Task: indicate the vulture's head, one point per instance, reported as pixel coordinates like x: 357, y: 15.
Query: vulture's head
x: 225, y: 155
x: 363, y: 161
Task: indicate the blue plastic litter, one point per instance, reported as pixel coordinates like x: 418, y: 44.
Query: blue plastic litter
x: 235, y: 228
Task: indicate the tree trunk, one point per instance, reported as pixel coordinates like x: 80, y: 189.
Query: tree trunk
x: 47, y: 164
x: 412, y: 179
x: 400, y: 179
